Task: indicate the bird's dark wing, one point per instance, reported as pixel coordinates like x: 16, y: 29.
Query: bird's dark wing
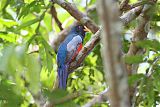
x: 61, y: 54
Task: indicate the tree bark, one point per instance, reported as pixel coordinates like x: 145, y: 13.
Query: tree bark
x: 116, y: 76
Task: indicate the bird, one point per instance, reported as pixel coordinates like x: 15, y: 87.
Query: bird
x: 67, y: 52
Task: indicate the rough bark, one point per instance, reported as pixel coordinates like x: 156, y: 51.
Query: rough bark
x: 116, y: 76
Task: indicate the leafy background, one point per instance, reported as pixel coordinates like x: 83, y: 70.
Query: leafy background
x: 28, y: 62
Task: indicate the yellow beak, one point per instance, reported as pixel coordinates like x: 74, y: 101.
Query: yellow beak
x: 86, y: 29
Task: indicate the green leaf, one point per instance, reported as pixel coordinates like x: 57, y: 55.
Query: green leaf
x: 125, y: 45
x: 149, y: 44
x: 33, y: 73
x: 29, y: 8
x: 135, y: 78
x: 46, y: 76
x: 133, y: 59
x: 5, y: 58
x: 49, y: 61
x: 98, y: 76
x: 7, y: 94
x: 27, y: 24
x: 92, y: 2
x: 57, y: 96
x: 155, y: 17
x: 45, y: 53
x: 87, y: 37
x: 8, y: 23
x: 4, y: 4
x: 16, y: 62
x: 155, y: 76
x: 48, y: 56
x: 10, y: 37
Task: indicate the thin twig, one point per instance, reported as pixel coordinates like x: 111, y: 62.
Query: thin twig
x: 55, y: 17
x: 98, y: 99
x: 86, y: 7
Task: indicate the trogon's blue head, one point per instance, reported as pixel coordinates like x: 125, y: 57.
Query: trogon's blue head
x: 80, y: 30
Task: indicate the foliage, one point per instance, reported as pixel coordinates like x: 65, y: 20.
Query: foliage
x: 28, y: 62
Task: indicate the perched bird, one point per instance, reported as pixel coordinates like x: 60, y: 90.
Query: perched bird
x: 67, y: 51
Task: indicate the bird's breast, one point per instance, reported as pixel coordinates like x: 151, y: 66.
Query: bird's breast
x: 73, y: 43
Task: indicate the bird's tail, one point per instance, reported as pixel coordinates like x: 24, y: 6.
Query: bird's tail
x: 62, y: 76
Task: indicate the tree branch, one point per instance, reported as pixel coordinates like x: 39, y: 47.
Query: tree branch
x: 85, y: 51
x: 81, y: 17
x: 125, y: 18
x: 130, y: 15
x: 91, y: 8
x: 60, y: 37
x: 140, y: 33
x: 116, y: 76
x: 140, y: 3
x: 123, y: 5
x: 54, y: 15
x: 98, y: 99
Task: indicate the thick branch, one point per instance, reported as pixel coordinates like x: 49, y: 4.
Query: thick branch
x: 81, y: 17
x: 116, y: 76
x: 130, y: 15
x: 125, y: 18
x: 96, y: 38
x: 85, y: 51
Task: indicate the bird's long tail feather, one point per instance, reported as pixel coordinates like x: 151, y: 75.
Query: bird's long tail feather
x: 62, y: 76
